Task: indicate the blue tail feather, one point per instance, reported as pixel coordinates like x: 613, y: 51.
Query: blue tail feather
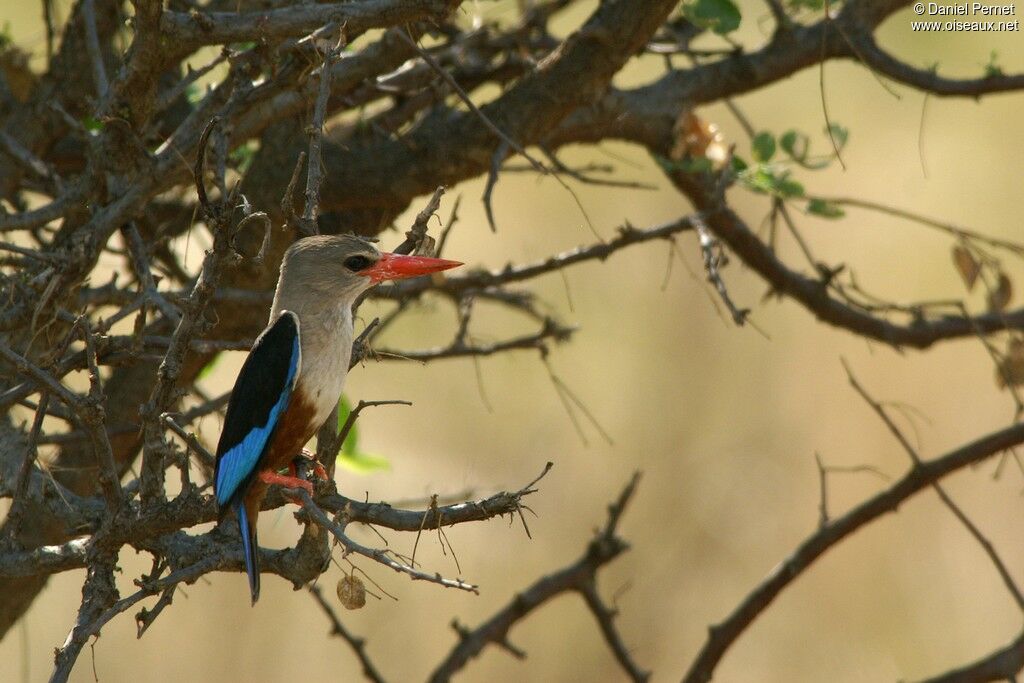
x: 250, y: 549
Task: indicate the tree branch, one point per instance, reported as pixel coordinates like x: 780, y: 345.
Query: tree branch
x: 1003, y: 664
x: 921, y: 475
x: 604, y: 548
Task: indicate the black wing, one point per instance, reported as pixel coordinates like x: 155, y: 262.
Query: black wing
x: 260, y: 397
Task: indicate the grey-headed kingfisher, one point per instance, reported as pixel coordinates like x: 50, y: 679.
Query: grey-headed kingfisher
x: 295, y: 371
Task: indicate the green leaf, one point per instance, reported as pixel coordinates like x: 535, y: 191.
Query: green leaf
x: 93, y: 125
x: 666, y: 164
x: 350, y: 457
x: 788, y: 188
x: 838, y: 133
x: 738, y: 164
x: 242, y: 157
x: 795, y: 144
x: 208, y: 368
x: 763, y: 178
x: 798, y: 146
x: 193, y: 93
x: 825, y: 209
x: 720, y: 16
x: 699, y: 165
x: 763, y: 146
x: 759, y: 179
x: 352, y: 440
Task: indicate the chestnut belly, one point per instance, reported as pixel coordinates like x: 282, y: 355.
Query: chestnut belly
x: 296, y: 427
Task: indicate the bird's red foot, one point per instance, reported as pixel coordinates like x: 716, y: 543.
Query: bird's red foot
x: 268, y: 477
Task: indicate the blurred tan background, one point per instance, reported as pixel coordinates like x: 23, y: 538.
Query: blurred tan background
x: 723, y: 422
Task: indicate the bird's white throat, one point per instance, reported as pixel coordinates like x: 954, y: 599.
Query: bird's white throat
x: 325, y: 338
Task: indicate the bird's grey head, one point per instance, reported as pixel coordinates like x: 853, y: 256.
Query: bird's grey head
x: 328, y: 270
x: 330, y: 265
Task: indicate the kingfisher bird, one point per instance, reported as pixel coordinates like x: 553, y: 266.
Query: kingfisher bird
x: 295, y: 371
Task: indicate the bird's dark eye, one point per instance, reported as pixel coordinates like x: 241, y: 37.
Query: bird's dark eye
x: 358, y: 263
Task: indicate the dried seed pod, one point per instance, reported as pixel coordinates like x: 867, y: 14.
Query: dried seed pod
x: 999, y: 298
x: 351, y: 592
x: 1011, y: 367
x: 966, y: 265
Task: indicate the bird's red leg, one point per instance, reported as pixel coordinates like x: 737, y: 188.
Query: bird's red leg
x: 293, y: 482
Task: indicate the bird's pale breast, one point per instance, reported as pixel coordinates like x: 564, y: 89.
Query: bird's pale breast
x: 326, y: 349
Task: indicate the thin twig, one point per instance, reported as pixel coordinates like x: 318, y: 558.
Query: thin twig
x: 17, y: 511
x: 724, y: 634
x: 382, y: 556
x: 604, y: 548
x: 140, y: 262
x: 93, y: 417
x: 357, y: 644
x: 972, y: 528
x: 1006, y: 663
x: 314, y: 171
x: 712, y: 260
x: 447, y: 77
x: 92, y: 45
x: 205, y: 457
x: 605, y: 619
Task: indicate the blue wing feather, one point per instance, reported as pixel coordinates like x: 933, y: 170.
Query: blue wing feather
x: 249, y: 549
x: 259, y: 398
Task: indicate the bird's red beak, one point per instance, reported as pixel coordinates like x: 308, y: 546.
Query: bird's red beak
x: 399, y: 267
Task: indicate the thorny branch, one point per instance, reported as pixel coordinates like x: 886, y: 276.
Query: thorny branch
x: 579, y: 576
x: 357, y: 644
x: 922, y: 475
x: 972, y: 529
x: 98, y: 159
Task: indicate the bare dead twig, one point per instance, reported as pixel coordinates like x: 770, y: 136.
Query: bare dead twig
x: 31, y: 163
x: 132, y: 133
x: 823, y: 472
x: 92, y: 415
x: 206, y: 458
x: 1005, y: 663
x: 14, y: 516
x: 605, y: 619
x: 417, y: 241
x: 447, y: 230
x: 725, y: 633
x: 712, y: 254
x: 327, y: 454
x: 140, y: 263
x: 314, y: 172
x: 357, y: 644
x: 92, y: 43
x: 604, y: 548
x: 99, y: 605
x: 972, y: 528
x: 627, y: 236
x: 501, y: 135
x: 384, y: 557
x: 191, y: 323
